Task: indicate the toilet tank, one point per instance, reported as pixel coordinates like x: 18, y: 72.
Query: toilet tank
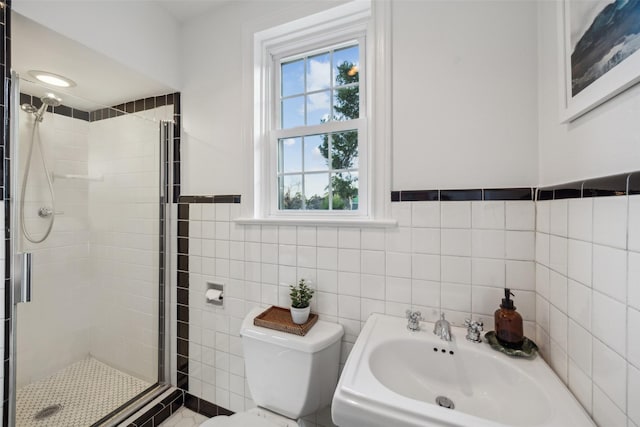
x: 289, y: 374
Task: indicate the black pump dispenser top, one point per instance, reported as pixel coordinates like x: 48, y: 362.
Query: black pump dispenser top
x: 507, y: 302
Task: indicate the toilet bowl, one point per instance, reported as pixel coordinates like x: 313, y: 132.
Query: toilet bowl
x: 289, y: 376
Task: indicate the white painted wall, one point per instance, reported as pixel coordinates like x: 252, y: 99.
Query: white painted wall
x: 212, y: 96
x: 464, y: 94
x: 140, y: 34
x: 603, y: 142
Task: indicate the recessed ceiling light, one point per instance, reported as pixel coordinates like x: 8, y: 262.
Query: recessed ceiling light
x: 51, y: 78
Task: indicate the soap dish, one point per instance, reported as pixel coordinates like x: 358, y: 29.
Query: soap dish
x: 528, y: 349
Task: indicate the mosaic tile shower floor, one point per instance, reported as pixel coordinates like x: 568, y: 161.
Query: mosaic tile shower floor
x: 87, y: 391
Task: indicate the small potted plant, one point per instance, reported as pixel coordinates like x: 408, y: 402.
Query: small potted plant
x: 300, y: 296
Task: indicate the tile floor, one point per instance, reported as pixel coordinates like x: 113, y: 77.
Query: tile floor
x: 184, y: 417
x: 85, y: 392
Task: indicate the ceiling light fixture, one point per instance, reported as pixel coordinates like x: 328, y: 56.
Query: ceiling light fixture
x: 51, y: 78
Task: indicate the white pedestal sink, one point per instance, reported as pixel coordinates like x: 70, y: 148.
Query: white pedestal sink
x: 395, y: 377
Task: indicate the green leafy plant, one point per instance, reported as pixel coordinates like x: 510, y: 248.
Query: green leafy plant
x: 300, y: 294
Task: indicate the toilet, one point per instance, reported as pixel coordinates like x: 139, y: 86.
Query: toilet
x: 289, y: 376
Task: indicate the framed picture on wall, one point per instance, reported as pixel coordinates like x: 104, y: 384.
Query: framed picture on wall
x: 600, y: 52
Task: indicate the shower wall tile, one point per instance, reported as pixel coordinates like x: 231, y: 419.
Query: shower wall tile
x: 123, y: 263
x: 62, y: 261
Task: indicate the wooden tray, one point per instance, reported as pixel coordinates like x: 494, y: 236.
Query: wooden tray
x: 279, y: 318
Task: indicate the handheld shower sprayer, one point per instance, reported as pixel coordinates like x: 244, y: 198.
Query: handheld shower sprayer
x: 49, y: 100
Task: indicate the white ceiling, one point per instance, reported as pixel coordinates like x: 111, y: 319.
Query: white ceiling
x: 183, y: 10
x: 101, y: 81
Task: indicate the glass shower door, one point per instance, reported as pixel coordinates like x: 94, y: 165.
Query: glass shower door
x: 89, y: 212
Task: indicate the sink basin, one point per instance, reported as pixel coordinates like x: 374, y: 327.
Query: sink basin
x: 408, y: 379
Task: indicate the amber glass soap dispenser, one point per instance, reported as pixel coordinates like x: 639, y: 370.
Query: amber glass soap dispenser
x: 508, y: 323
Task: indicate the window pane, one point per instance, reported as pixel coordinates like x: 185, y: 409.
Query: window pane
x: 318, y: 72
x: 346, y: 65
x: 344, y: 150
x: 290, y: 192
x: 290, y: 155
x: 292, y: 112
x: 318, y: 108
x: 316, y: 191
x: 345, y: 191
x: 292, y: 78
x: 314, y: 147
x: 346, y: 103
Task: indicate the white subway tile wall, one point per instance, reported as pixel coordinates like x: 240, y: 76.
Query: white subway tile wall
x: 123, y: 242
x: 588, y: 288
x: 54, y: 328
x: 449, y: 256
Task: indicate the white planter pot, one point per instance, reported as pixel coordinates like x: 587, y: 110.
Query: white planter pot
x: 300, y: 315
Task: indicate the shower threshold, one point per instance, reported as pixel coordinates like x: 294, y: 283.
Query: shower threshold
x: 82, y: 393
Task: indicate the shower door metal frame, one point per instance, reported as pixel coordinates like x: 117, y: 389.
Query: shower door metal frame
x: 16, y: 270
x: 19, y: 268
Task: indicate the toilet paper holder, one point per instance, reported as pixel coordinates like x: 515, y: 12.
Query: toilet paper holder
x: 215, y: 293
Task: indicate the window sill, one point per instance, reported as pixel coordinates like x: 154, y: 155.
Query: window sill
x: 328, y: 222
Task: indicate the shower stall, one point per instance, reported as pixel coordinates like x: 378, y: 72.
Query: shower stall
x: 90, y: 192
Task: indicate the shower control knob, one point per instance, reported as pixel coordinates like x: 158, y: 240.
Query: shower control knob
x: 45, y: 212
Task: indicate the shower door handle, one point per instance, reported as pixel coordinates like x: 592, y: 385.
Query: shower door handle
x: 23, y: 277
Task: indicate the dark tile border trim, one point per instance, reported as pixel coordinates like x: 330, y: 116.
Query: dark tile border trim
x: 182, y: 306
x: 134, y: 106
x: 460, y: 195
x: 612, y: 185
x: 463, y: 194
x: 63, y: 110
x: 204, y: 407
x: 5, y: 182
x: 228, y: 198
x: 416, y: 196
x: 634, y: 184
x: 161, y: 411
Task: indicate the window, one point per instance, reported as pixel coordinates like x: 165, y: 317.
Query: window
x: 314, y: 144
x: 318, y: 127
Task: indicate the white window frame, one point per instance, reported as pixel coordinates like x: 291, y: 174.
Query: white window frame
x: 359, y: 125
x: 354, y: 20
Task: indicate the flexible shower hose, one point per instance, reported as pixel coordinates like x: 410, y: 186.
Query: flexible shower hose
x: 23, y: 191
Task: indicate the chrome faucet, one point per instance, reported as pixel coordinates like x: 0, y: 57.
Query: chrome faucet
x: 442, y: 329
x: 474, y: 328
x: 414, y: 320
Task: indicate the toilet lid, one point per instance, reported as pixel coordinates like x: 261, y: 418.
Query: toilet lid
x: 241, y: 419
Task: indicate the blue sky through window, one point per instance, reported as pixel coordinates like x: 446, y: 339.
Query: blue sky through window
x: 310, y: 91
x: 317, y: 72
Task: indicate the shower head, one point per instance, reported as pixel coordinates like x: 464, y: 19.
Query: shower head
x: 49, y: 100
